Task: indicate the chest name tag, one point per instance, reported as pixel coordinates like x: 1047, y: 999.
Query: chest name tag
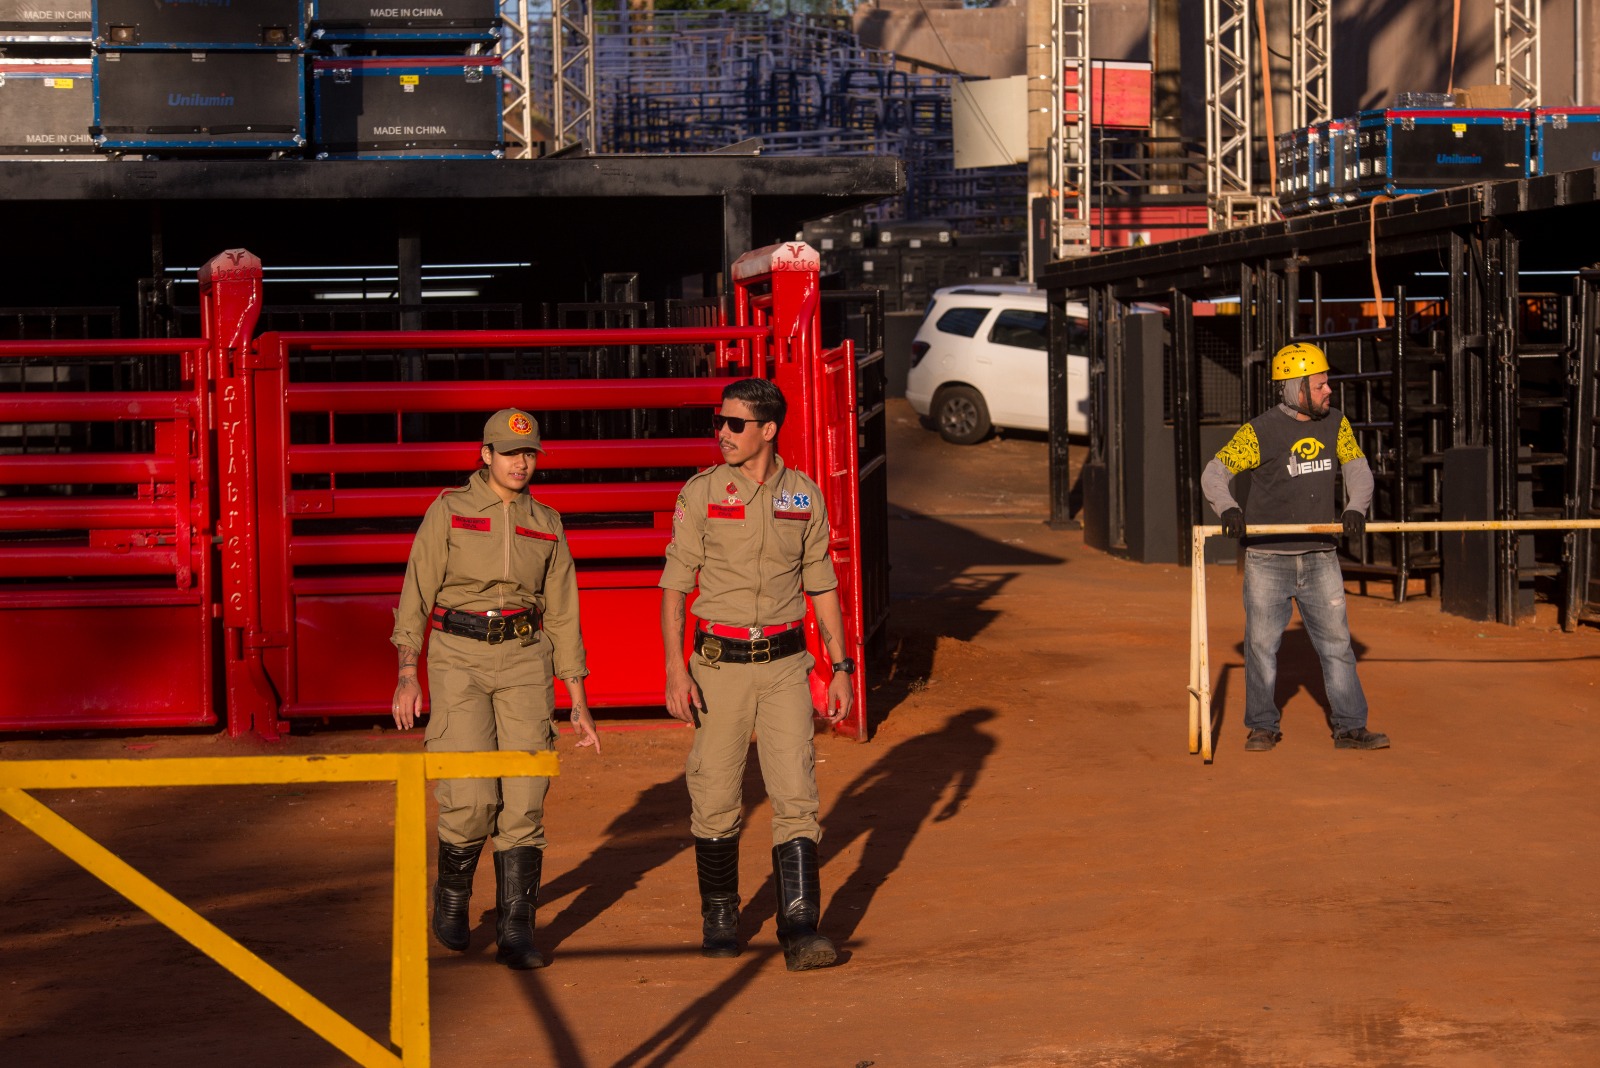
x: 462, y: 522
x: 541, y: 535
x: 724, y: 511
x: 778, y: 513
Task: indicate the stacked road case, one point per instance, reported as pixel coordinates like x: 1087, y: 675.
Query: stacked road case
x: 46, y: 93
x: 407, y: 82
x: 184, y: 78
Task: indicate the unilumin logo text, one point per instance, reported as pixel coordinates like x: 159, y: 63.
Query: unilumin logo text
x: 198, y: 100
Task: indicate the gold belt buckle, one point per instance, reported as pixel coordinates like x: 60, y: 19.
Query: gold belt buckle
x: 495, y: 630
x: 760, y: 650
x: 710, y: 648
x: 523, y: 629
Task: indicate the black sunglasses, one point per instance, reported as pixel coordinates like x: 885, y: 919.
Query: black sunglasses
x: 733, y: 423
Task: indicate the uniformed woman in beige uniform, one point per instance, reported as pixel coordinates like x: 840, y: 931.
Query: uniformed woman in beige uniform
x: 492, y: 582
x: 752, y: 533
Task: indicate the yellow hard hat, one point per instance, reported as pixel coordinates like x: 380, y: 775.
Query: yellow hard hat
x: 1298, y: 359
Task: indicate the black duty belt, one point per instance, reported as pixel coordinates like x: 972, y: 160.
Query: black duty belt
x: 493, y: 626
x: 719, y: 650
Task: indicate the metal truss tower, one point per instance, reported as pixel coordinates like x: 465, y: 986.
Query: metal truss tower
x: 1230, y: 193
x: 1516, y: 49
x: 516, y: 109
x: 572, y: 38
x: 1071, y: 195
x: 1311, y: 63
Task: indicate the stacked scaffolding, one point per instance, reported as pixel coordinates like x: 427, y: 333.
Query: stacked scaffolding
x: 697, y: 81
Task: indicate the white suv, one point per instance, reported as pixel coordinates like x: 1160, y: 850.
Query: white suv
x: 980, y: 360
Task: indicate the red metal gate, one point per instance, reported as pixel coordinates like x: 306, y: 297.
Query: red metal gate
x: 335, y: 444
x: 106, y: 589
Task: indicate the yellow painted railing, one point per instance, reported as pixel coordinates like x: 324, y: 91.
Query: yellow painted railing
x: 408, y: 1004
x: 1200, y: 725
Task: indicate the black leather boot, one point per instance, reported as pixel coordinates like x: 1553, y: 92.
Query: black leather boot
x: 453, y: 893
x: 516, y: 878
x: 716, y: 860
x: 794, y: 869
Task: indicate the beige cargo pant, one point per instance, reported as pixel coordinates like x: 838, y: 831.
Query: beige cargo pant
x: 483, y: 698
x: 774, y: 701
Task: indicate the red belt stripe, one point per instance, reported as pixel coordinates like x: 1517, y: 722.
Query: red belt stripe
x: 743, y: 633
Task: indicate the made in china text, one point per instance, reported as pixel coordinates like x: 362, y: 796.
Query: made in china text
x: 405, y: 131
x: 406, y: 12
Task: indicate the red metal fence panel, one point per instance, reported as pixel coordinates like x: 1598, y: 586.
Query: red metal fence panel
x: 309, y: 458
x: 105, y: 535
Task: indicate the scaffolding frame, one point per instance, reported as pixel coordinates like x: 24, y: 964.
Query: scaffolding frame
x: 1071, y: 190
x: 1516, y: 49
x: 1230, y: 134
x: 1311, y: 63
x: 572, y: 42
x: 516, y: 108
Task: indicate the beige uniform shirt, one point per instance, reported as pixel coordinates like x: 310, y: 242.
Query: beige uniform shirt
x: 757, y: 549
x: 475, y: 552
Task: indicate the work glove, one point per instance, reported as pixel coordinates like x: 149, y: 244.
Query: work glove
x: 1233, y: 523
x: 1355, y: 524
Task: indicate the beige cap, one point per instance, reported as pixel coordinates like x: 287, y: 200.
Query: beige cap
x: 512, y: 428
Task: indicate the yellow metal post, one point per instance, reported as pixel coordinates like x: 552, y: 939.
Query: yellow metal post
x: 408, y: 1024
x: 196, y: 930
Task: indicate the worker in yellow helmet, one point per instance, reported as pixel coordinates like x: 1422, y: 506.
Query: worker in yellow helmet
x: 1295, y: 453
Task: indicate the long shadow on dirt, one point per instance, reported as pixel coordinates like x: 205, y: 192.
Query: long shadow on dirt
x: 943, y: 580
x: 885, y: 806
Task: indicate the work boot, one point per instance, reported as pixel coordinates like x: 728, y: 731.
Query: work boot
x: 794, y: 870
x: 1360, y: 738
x: 1261, y: 740
x: 516, y: 878
x: 453, y: 893
x: 716, y: 861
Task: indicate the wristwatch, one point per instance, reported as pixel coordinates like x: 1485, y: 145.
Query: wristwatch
x: 847, y: 665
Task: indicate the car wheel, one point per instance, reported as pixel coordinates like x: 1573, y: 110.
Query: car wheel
x: 961, y: 415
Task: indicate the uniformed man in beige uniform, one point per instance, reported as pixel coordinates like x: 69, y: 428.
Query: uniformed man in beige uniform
x: 491, y: 577
x: 753, y: 535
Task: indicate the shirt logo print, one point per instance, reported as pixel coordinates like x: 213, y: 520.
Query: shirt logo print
x: 1307, y: 449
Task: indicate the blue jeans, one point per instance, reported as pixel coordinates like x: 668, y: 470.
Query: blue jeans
x: 1313, y: 581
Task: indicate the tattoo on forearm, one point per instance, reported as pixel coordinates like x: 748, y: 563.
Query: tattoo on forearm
x: 408, y: 657
x: 822, y: 628
x: 680, y: 611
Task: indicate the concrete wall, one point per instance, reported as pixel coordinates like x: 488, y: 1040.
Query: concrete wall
x: 991, y: 42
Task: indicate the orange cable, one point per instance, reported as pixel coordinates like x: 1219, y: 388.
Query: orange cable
x: 1455, y: 38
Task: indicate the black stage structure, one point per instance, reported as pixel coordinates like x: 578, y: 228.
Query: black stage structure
x: 1463, y: 329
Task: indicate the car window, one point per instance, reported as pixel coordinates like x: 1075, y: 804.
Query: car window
x: 1024, y: 329
x: 1077, y: 337
x: 963, y: 321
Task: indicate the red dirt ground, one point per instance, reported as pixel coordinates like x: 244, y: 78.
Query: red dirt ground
x: 1025, y: 866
